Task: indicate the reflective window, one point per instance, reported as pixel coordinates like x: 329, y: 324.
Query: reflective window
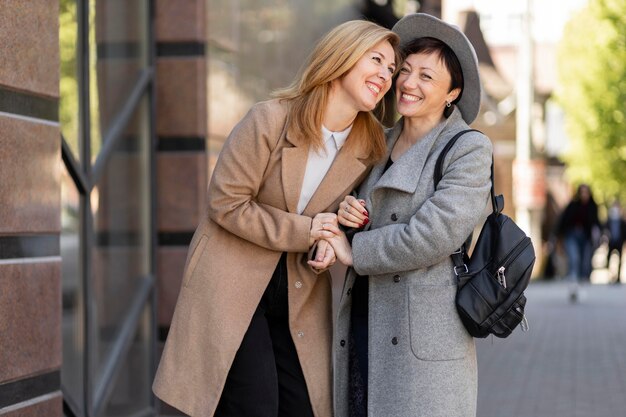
x: 68, y: 100
x: 121, y: 240
x: 73, y: 323
x: 257, y: 46
x: 118, y: 49
x: 132, y: 393
x: 107, y: 235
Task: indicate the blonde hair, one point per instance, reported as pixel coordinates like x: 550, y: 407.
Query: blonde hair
x: 334, y: 55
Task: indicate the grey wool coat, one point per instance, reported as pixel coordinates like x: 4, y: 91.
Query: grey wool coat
x: 422, y: 362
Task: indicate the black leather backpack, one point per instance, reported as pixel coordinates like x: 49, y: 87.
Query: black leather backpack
x: 490, y: 297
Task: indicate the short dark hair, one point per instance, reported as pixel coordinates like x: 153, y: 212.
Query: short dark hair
x: 429, y: 45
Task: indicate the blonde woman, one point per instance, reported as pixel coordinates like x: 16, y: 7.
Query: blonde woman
x: 251, y: 334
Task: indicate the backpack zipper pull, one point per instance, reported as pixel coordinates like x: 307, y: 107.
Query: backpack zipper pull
x: 524, y: 324
x: 501, y: 277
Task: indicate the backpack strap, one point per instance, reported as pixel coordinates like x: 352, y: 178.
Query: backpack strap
x: 444, y: 152
x: 497, y: 202
x: 459, y: 257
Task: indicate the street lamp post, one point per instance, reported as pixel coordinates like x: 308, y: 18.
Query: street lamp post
x: 528, y: 173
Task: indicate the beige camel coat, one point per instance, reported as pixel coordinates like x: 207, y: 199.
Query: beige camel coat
x: 250, y: 220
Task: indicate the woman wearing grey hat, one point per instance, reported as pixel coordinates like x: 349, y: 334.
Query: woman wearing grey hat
x: 400, y: 347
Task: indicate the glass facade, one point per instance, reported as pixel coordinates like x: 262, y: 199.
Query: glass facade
x: 73, y: 324
x: 118, y: 50
x: 107, y: 207
x: 255, y: 47
x: 121, y: 239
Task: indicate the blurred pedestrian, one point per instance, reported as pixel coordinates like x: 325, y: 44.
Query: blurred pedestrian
x: 579, y: 228
x: 550, y: 246
x: 615, y: 233
x: 251, y: 333
x: 400, y: 347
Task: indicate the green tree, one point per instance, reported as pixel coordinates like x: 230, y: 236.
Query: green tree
x: 592, y: 78
x: 68, y: 103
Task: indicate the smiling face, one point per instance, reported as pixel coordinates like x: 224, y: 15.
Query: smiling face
x: 366, y: 83
x: 422, y: 87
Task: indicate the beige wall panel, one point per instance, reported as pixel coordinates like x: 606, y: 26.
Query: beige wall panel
x: 30, y: 318
x: 122, y: 188
x: 30, y: 193
x: 170, y: 266
x: 180, y: 21
x: 181, y: 97
x: 30, y: 46
x: 182, y: 179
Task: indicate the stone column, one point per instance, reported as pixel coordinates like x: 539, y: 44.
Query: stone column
x: 181, y: 128
x: 30, y: 201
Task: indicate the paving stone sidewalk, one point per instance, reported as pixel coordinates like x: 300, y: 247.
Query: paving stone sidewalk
x: 572, y: 362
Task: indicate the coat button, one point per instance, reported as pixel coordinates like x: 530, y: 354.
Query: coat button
x: 394, y: 217
x: 342, y: 343
x: 396, y: 278
x: 394, y: 341
x: 298, y: 284
x: 301, y: 334
x: 349, y: 291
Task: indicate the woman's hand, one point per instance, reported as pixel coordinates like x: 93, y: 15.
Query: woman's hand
x: 324, y: 256
x: 352, y: 213
x: 339, y: 242
x: 317, y: 224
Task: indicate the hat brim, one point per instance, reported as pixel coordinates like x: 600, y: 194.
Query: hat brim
x: 420, y: 25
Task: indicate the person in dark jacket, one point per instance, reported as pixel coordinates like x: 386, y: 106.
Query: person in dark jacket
x: 615, y: 233
x: 577, y: 226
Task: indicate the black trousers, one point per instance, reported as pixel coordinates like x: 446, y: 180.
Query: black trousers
x: 265, y: 379
x: 358, y: 349
x: 615, y: 247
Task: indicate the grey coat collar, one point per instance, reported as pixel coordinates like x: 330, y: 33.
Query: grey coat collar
x: 405, y: 173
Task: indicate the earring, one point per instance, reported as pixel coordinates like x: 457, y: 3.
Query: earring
x: 448, y: 104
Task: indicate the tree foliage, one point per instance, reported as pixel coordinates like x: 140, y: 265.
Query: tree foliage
x: 68, y: 103
x: 592, y: 92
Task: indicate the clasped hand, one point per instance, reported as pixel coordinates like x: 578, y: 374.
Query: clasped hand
x: 324, y: 255
x: 332, y: 242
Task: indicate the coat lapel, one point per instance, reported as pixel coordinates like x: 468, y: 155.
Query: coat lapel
x: 378, y: 170
x: 405, y: 173
x: 293, y: 166
x: 344, y: 171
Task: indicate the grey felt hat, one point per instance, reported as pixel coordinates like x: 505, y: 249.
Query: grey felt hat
x: 419, y: 25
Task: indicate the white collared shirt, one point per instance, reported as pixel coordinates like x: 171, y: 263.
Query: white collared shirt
x: 318, y: 163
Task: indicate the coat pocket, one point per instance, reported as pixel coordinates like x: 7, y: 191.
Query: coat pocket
x: 193, y: 261
x: 437, y: 333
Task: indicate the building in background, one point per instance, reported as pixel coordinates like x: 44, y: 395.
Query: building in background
x: 519, y: 115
